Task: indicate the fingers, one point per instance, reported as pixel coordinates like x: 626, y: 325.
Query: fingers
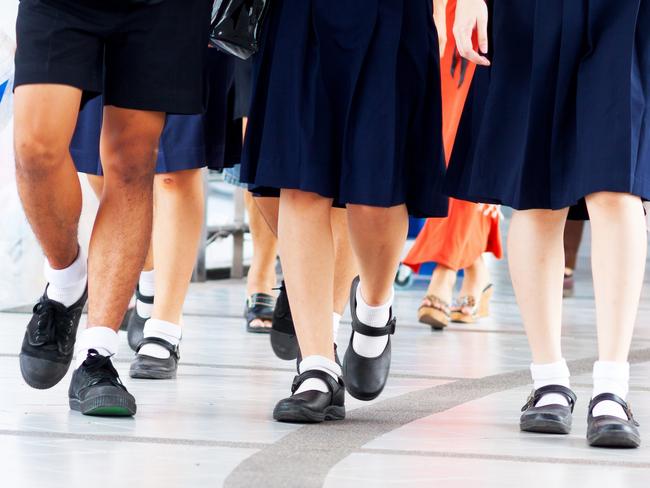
x: 474, y: 18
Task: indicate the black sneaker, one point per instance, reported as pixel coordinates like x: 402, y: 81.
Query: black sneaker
x: 312, y: 406
x: 136, y: 323
x: 48, y: 345
x: 96, y: 389
x: 283, y: 333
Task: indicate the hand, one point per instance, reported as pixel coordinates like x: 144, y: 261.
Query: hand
x: 472, y: 15
x: 493, y: 211
x: 440, y: 19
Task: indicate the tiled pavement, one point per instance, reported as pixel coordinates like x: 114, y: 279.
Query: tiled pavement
x: 448, y: 417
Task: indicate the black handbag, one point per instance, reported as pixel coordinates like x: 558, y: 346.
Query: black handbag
x: 236, y: 26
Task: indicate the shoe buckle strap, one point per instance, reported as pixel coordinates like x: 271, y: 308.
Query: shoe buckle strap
x: 143, y: 298
x: 174, y: 350
x: 616, y: 399
x: 316, y: 374
x: 366, y: 330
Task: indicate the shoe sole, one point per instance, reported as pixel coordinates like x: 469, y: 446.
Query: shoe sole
x: 150, y: 374
x: 105, y: 406
x: 284, y: 345
x: 258, y: 330
x: 301, y: 415
x: 614, y: 439
x: 545, y: 426
x: 40, y: 385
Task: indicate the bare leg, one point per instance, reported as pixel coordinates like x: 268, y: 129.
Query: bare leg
x: 45, y: 119
x: 618, y: 259
x: 572, y: 238
x: 261, y: 276
x: 476, y: 279
x: 377, y: 236
x: 269, y: 209
x: 442, y: 283
x: 178, y: 219
x: 128, y: 147
x: 307, y: 251
x: 345, y: 265
x: 536, y: 257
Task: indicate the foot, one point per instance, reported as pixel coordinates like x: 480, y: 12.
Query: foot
x: 548, y: 419
x: 48, y: 345
x: 609, y: 430
x: 467, y: 309
x: 259, y: 312
x: 312, y: 406
x: 135, y: 327
x: 365, y: 377
x: 96, y: 389
x: 151, y: 368
x: 434, y: 312
x: 283, y: 333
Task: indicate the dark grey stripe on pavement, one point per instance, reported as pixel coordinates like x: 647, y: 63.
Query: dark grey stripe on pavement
x: 304, y: 457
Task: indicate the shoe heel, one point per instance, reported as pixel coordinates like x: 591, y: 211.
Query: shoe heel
x: 335, y: 413
x: 433, y: 317
x: 486, y: 298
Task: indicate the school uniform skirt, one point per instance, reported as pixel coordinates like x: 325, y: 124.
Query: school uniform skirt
x: 346, y: 104
x: 211, y: 139
x: 564, y: 110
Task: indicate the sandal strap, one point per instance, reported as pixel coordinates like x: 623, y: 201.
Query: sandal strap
x: 612, y: 398
x: 437, y: 303
x: 360, y: 327
x: 536, y: 396
x: 466, y: 301
x: 331, y: 383
x: 142, y: 298
x: 261, y: 299
x: 173, y: 350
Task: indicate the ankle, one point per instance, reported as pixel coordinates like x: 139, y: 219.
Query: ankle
x: 556, y: 373
x: 319, y: 363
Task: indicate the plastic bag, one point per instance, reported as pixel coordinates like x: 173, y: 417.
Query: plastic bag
x: 236, y: 26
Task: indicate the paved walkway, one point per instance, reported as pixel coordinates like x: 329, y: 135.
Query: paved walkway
x: 448, y: 417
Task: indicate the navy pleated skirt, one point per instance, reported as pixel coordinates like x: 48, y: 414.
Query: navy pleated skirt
x: 564, y: 111
x: 346, y: 104
x: 212, y: 139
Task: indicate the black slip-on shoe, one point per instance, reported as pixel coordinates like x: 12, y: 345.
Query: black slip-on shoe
x: 135, y: 328
x: 609, y: 430
x: 96, y: 389
x: 549, y: 419
x: 312, y: 406
x: 259, y: 306
x: 150, y: 368
x: 283, y: 333
x: 365, y: 378
x: 48, y: 345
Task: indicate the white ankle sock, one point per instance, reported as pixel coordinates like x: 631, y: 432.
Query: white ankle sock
x: 320, y: 363
x: 551, y: 374
x: 371, y: 347
x: 103, y: 339
x: 611, y: 377
x: 336, y: 323
x: 163, y: 330
x: 67, y: 285
x: 147, y: 288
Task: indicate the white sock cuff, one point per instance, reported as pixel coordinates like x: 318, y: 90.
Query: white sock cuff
x: 336, y: 323
x: 103, y: 338
x: 558, y: 369
x: 164, y: 330
x: 361, y: 301
x: 612, y: 370
x: 147, y: 283
x: 321, y: 363
x: 76, y: 272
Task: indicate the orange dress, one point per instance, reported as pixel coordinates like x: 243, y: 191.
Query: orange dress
x: 457, y: 240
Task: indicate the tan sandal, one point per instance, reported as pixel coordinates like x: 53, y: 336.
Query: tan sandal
x: 434, y: 312
x: 477, y: 311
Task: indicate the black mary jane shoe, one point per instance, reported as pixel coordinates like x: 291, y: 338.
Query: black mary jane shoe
x: 284, y: 341
x: 549, y: 419
x: 150, y: 368
x: 609, y: 430
x: 312, y: 406
x: 365, y: 378
x: 135, y: 326
x: 259, y: 306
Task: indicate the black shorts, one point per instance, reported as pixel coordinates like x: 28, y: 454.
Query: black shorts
x: 143, y: 57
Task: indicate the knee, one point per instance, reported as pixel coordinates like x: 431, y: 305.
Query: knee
x: 365, y: 213
x: 37, y: 156
x: 129, y: 161
x: 297, y: 198
x: 179, y: 182
x: 611, y: 203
